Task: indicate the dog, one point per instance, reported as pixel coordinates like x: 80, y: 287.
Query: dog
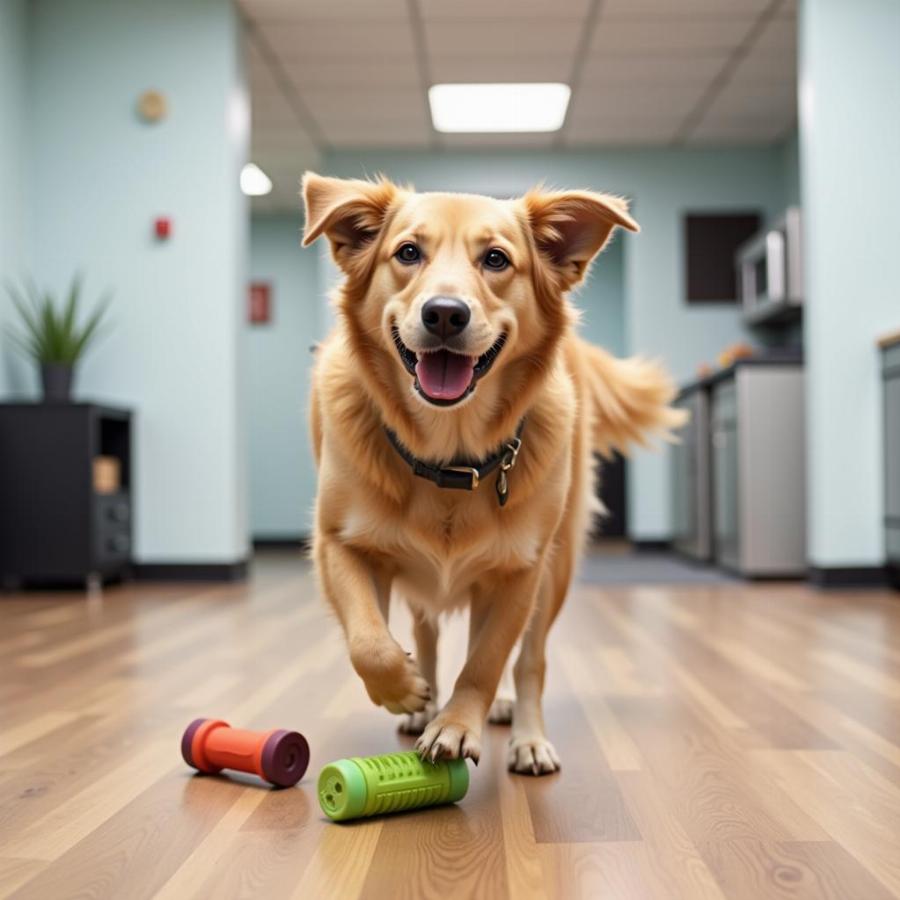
x: 455, y: 414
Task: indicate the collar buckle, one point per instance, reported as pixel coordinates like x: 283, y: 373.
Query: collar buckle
x: 471, y: 471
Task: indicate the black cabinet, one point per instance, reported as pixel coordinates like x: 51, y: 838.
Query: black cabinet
x: 54, y: 525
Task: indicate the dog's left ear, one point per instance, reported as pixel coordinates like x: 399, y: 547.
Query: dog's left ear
x: 571, y: 227
x: 349, y: 212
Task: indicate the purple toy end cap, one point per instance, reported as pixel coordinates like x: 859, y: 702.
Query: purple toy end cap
x: 187, y: 740
x: 285, y: 757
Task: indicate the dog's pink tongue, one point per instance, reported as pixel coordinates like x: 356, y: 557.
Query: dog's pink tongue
x: 444, y: 375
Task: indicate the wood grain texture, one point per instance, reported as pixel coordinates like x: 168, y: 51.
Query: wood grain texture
x: 718, y: 743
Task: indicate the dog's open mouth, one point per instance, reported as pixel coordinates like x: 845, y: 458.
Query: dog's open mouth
x: 443, y: 377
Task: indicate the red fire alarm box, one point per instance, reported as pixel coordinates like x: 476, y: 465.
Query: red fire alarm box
x: 259, y: 306
x: 162, y: 228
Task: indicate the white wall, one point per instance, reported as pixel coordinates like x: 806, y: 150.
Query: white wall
x: 13, y: 169
x: 850, y: 162
x: 99, y: 176
x: 664, y: 185
x: 282, y: 478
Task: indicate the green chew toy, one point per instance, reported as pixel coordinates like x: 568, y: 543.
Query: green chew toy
x: 372, y: 785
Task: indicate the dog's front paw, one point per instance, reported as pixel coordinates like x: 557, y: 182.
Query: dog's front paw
x: 391, y: 677
x: 415, y: 723
x: 448, y: 738
x: 532, y: 756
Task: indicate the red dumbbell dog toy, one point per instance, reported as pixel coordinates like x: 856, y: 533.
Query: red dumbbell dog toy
x: 279, y: 757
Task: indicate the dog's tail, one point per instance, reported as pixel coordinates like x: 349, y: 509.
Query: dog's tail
x: 628, y: 400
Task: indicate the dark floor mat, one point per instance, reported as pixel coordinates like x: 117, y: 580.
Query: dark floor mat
x: 647, y: 568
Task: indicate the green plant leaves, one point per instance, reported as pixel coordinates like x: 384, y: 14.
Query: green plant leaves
x: 50, y: 333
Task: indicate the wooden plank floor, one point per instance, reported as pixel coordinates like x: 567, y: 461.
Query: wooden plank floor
x: 721, y: 741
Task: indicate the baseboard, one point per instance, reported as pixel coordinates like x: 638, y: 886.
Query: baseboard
x: 282, y: 542
x: 651, y: 546
x: 848, y: 576
x: 197, y: 571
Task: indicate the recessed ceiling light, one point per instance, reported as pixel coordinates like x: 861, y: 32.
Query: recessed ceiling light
x: 255, y: 182
x: 498, y: 107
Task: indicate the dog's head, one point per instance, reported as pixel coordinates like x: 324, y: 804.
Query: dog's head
x: 458, y: 288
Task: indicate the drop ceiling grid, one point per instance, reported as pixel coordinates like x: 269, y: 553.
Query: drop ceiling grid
x: 646, y: 66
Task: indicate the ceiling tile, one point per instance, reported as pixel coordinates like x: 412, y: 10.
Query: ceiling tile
x: 747, y: 101
x: 293, y: 10
x: 762, y: 67
x: 335, y: 40
x: 740, y: 131
x: 507, y: 141
x: 622, y: 131
x: 285, y: 162
x: 637, y: 9
x: 673, y: 101
x: 271, y: 107
x: 653, y: 69
x: 788, y: 8
x: 556, y: 37
x: 491, y: 68
x: 673, y: 35
x: 778, y: 37
x: 353, y: 64
x: 352, y: 72
x: 377, y: 133
x: 477, y: 10
x: 395, y: 106
x: 271, y: 139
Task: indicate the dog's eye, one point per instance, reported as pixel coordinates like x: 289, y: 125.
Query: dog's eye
x: 496, y: 259
x: 408, y: 254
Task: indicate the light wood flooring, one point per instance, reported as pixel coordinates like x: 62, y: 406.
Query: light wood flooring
x: 718, y: 741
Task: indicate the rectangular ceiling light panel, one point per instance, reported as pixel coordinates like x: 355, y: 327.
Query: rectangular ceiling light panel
x: 498, y: 108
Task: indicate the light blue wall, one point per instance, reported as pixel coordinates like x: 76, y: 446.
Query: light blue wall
x: 602, y: 300
x: 664, y: 185
x: 13, y: 167
x: 276, y: 380
x: 849, y: 153
x: 99, y: 177
x: 790, y: 171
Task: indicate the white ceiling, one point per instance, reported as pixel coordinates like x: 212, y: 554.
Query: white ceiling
x: 333, y: 74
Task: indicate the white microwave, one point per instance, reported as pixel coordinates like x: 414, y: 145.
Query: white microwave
x: 770, y: 271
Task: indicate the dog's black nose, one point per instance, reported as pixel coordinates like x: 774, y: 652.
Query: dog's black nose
x: 445, y: 316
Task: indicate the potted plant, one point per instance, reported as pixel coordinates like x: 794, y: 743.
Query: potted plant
x: 52, y: 335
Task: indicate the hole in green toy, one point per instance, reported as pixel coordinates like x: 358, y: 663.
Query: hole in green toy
x: 337, y: 788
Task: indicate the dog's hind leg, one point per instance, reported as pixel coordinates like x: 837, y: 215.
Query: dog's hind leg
x: 529, y: 750
x: 501, y: 711
x: 425, y: 632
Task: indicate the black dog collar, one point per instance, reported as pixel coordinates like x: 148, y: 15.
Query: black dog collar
x: 466, y: 475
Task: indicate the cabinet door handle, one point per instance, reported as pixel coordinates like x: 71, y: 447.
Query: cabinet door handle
x: 118, y: 512
x: 118, y: 543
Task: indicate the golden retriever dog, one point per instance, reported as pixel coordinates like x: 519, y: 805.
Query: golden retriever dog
x: 455, y: 414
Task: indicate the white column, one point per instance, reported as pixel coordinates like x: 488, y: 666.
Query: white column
x: 850, y: 171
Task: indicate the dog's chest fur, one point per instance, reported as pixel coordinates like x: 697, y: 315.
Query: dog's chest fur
x: 444, y: 543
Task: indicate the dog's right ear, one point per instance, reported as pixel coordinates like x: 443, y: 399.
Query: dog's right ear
x: 349, y: 212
